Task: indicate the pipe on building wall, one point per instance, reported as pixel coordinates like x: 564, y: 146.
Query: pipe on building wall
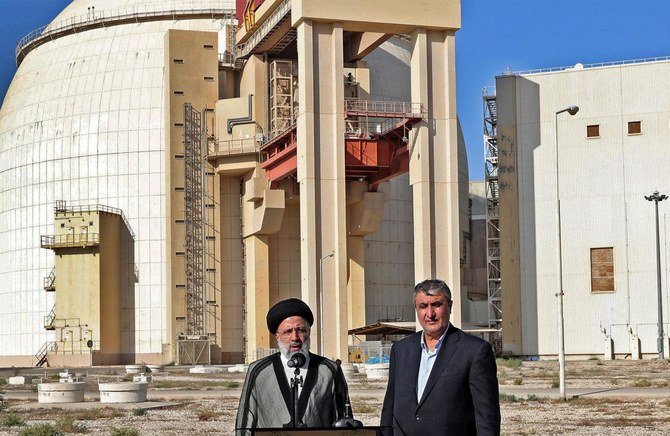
x: 231, y: 122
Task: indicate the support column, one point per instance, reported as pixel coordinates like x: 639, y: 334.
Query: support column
x: 257, y: 298
x: 262, y: 213
x: 365, y: 212
x: 320, y: 128
x: 434, y: 171
x: 356, y: 282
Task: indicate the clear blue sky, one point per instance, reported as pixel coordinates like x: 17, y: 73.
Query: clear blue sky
x: 495, y: 35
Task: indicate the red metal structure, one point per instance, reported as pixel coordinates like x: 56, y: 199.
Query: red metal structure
x: 376, y: 142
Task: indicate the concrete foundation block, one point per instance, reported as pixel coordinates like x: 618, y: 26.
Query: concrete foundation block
x: 202, y: 369
x: 20, y: 380
x: 64, y: 392
x: 123, y: 392
x: 143, y: 378
x: 135, y: 369
x: 238, y: 368
x: 377, y: 371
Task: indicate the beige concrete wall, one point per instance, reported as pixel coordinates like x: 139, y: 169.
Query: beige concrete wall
x: 232, y: 273
x: 285, y: 257
x: 78, y: 290
x: 389, y: 16
x: 191, y: 76
x: 506, y: 93
x: 111, y: 275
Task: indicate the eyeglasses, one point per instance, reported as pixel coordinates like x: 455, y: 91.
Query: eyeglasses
x: 301, y: 331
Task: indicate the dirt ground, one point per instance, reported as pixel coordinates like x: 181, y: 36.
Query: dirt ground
x: 213, y: 411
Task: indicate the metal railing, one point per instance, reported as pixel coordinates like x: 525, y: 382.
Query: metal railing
x: 79, y: 346
x: 50, y: 279
x: 50, y: 318
x: 364, y: 129
x: 387, y: 108
x: 235, y: 146
x: 96, y: 208
x: 585, y: 66
x: 244, y: 49
x: 66, y: 241
x: 99, y: 19
x: 47, y: 347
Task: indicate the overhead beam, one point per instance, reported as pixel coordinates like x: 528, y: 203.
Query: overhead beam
x: 362, y: 44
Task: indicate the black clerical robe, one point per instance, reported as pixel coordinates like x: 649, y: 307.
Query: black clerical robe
x: 266, y: 395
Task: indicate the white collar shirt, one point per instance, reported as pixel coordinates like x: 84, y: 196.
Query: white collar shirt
x: 290, y: 372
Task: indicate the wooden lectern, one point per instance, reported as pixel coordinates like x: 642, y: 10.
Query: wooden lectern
x: 330, y: 431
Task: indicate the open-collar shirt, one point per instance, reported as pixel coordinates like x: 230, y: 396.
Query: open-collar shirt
x: 427, y: 361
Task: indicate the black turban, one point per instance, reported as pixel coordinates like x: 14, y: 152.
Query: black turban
x: 285, y: 309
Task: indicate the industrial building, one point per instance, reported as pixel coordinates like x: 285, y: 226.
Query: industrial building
x: 171, y: 169
x: 566, y: 202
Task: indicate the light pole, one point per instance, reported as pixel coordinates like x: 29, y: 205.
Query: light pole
x: 332, y: 254
x: 561, y: 329
x: 656, y: 197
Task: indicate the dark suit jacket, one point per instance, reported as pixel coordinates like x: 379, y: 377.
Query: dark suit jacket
x: 461, y: 395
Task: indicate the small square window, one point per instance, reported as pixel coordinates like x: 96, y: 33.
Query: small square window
x: 634, y: 127
x: 593, y: 131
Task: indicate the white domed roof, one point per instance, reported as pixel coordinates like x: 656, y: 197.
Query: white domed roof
x: 82, y: 7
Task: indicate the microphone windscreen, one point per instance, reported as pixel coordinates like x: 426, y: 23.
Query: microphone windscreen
x: 297, y: 360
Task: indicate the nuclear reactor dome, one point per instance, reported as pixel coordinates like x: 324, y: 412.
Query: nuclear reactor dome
x: 82, y: 121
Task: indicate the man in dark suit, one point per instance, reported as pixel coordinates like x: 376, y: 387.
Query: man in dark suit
x: 442, y: 381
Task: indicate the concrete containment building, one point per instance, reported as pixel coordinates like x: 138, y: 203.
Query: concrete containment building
x: 605, y: 158
x: 311, y: 151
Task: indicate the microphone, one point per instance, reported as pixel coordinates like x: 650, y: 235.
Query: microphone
x: 347, y: 421
x: 298, y: 360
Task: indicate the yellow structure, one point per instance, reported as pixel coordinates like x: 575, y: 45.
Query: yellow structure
x: 93, y: 282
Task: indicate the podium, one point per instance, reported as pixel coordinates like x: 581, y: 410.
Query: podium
x: 328, y: 431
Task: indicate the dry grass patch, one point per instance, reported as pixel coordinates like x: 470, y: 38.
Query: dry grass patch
x: 207, y: 415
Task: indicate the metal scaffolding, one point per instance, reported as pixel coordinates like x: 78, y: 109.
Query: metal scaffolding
x: 200, y: 239
x: 193, y: 220
x: 494, y: 283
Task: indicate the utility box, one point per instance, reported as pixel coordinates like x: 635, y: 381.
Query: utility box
x: 635, y: 347
x: 609, y: 348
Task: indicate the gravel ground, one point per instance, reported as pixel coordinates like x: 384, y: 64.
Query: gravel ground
x: 538, y: 415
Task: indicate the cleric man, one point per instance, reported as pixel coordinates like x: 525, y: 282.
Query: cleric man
x: 266, y: 395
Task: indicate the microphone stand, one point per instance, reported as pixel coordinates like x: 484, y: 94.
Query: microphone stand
x: 296, y: 382
x: 348, y: 420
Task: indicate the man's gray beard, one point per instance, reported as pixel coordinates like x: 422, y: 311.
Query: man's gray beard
x: 287, y: 353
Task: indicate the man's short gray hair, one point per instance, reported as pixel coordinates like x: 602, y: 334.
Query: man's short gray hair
x: 432, y: 287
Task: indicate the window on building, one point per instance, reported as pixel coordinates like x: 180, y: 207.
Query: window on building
x: 602, y: 269
x: 634, y: 127
x: 593, y: 131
